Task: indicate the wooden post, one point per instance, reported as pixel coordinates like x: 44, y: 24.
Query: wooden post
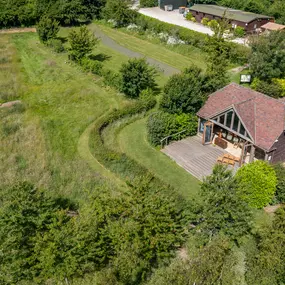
x: 252, y: 152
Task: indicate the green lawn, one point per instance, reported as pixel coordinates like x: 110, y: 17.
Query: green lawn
x: 132, y: 140
x: 155, y: 51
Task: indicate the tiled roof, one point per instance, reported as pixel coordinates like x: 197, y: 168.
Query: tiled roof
x: 273, y: 26
x: 263, y: 116
x: 229, y: 13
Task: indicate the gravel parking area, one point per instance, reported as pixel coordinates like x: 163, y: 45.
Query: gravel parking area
x: 173, y: 17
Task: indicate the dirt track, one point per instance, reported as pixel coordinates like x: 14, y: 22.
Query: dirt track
x: 20, y: 30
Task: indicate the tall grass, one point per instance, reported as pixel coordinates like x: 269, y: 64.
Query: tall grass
x: 61, y: 101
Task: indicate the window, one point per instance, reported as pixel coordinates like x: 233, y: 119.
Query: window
x: 222, y: 119
x: 242, y: 129
x: 229, y: 119
x: 236, y: 122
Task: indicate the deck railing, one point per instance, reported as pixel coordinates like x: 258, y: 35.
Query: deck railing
x: 166, y: 138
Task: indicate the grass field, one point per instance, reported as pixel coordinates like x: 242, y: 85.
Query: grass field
x: 43, y: 142
x: 61, y: 101
x: 156, y: 51
x: 112, y: 59
x: 132, y: 140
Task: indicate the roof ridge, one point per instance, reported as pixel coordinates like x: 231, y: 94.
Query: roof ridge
x: 257, y: 92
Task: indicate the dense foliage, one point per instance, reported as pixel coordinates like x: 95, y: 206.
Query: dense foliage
x: 257, y: 183
x: 28, y: 12
x: 137, y: 76
x: 183, y: 92
x: 280, y: 187
x: 47, y: 29
x: 223, y: 211
x: 119, y: 12
x: 51, y: 242
x: 161, y: 124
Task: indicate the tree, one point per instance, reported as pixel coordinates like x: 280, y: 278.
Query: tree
x: 183, y: 92
x: 267, y: 266
x: 25, y: 212
x: 120, y: 12
x: 224, y: 211
x: 47, y: 29
x: 81, y: 42
x: 267, y: 59
x: 257, y: 183
x: 218, y: 56
x: 137, y: 76
x: 280, y: 187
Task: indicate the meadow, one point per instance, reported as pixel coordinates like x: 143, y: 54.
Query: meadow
x: 44, y: 141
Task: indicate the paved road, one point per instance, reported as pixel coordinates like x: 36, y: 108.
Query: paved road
x: 106, y: 40
x: 175, y: 18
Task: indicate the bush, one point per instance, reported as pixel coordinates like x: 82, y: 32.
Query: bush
x: 205, y: 21
x: 161, y: 124
x: 239, y: 32
x: 81, y: 42
x: 257, y: 183
x: 269, y: 88
x: 56, y: 45
x: 137, y: 76
x: 148, y: 3
x: 212, y: 24
x: 280, y: 188
x: 93, y: 66
x: 112, y: 78
x: 47, y: 29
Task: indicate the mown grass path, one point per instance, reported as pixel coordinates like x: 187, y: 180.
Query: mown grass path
x: 109, y: 42
x: 85, y: 153
x: 132, y: 140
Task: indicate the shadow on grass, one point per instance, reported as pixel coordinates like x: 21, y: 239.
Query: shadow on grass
x: 100, y: 57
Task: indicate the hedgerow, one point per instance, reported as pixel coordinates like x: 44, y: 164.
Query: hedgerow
x: 237, y: 53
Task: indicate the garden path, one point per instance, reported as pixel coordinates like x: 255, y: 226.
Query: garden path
x: 106, y: 40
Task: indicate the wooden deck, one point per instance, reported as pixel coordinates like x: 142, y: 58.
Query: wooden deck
x: 194, y: 157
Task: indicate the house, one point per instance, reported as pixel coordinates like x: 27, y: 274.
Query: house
x: 269, y: 27
x: 175, y: 3
x: 250, y: 122
x: 249, y: 21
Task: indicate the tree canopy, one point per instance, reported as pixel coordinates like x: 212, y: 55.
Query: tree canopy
x: 183, y: 92
x: 257, y: 183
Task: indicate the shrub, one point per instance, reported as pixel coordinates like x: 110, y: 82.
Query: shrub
x: 93, y: 66
x: 239, y: 32
x: 193, y: 19
x: 47, y: 29
x: 148, y: 3
x: 257, y: 183
x: 81, y: 42
x: 281, y: 84
x: 212, y: 24
x: 189, y: 16
x: 56, y: 45
x: 112, y: 78
x: 268, y: 88
x: 205, y: 21
x: 280, y: 188
x: 137, y: 76
x: 161, y: 124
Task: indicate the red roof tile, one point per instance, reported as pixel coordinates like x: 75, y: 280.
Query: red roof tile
x: 262, y: 115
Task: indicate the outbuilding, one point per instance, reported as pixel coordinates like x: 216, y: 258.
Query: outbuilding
x: 251, y: 22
